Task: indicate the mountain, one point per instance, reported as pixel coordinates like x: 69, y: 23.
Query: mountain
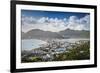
x: 40, y: 34
x: 68, y: 33
x: 75, y: 33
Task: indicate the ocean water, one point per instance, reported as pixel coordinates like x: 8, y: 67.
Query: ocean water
x: 28, y: 44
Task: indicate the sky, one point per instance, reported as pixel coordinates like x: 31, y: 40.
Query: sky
x: 54, y: 21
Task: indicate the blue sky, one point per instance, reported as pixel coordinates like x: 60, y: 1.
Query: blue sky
x: 52, y: 14
x: 54, y: 21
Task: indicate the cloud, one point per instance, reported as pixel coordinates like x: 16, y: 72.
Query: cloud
x: 55, y: 24
x: 75, y: 23
x: 86, y: 22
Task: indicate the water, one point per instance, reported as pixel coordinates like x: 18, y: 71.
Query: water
x: 28, y: 44
x: 71, y: 40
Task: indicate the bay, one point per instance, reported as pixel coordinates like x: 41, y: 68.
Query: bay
x: 29, y: 44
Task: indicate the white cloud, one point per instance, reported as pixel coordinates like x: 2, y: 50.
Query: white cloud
x: 86, y: 22
x: 75, y: 23
x: 55, y: 24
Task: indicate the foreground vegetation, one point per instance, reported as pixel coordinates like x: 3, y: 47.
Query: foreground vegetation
x: 78, y: 51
